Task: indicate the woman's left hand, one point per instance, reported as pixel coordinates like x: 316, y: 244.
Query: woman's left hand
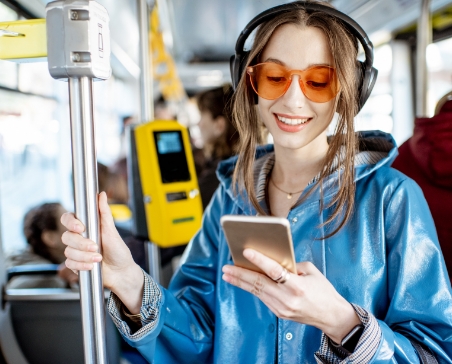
x: 306, y: 297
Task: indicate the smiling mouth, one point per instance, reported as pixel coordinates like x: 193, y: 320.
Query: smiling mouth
x: 291, y: 121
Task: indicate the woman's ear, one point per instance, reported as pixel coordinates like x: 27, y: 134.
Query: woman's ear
x: 51, y: 238
x: 220, y: 125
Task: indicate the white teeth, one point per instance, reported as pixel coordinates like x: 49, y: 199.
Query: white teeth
x: 292, y: 121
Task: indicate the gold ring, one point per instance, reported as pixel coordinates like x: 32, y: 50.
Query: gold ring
x: 285, y: 275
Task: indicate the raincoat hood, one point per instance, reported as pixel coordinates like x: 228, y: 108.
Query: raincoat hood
x: 375, y: 145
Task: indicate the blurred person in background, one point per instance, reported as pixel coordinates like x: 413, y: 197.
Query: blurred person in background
x: 113, y: 180
x: 163, y: 110
x: 426, y: 158
x: 125, y: 122
x: 218, y: 134
x: 43, y: 230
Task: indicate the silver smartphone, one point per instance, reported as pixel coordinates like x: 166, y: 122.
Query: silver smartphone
x: 266, y: 234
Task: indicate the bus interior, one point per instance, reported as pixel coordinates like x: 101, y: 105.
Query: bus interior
x: 163, y: 54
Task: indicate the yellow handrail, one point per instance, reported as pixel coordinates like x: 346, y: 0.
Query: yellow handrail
x: 23, y: 40
x: 164, y: 68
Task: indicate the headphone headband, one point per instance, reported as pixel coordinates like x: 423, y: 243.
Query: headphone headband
x: 369, y: 73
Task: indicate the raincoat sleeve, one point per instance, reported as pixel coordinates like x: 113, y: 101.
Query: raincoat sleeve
x: 418, y: 322
x: 182, y: 324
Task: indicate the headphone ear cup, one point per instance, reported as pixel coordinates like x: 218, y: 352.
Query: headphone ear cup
x: 360, y: 71
x: 232, y: 62
x: 237, y: 64
x: 368, y: 84
x: 365, y: 82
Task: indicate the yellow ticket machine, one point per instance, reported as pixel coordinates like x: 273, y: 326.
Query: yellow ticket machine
x: 172, y: 202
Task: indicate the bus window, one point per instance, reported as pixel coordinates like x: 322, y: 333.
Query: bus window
x: 29, y: 146
x: 439, y: 72
x: 377, y: 112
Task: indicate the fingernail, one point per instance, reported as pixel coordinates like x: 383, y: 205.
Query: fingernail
x: 226, y: 269
x: 93, y: 248
x: 97, y: 258
x: 226, y: 278
x: 77, y: 228
x: 249, y: 254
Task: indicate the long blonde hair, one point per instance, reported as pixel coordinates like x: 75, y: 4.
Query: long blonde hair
x: 344, y: 49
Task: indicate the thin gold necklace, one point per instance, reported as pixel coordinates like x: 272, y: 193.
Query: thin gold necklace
x: 289, y: 194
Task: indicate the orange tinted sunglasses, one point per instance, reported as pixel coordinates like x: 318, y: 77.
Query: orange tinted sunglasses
x: 271, y: 80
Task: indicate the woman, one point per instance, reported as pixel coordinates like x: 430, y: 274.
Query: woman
x: 218, y: 134
x: 371, y: 283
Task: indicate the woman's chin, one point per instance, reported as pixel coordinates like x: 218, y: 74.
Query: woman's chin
x: 289, y: 143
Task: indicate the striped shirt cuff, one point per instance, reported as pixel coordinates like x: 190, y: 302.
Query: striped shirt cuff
x: 365, y: 349
x: 150, y: 307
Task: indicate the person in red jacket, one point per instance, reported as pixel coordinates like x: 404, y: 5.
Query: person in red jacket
x: 427, y: 158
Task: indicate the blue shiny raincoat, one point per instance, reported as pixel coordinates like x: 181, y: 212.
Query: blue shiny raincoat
x: 386, y: 260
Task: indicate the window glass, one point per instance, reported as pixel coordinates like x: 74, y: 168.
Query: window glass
x: 35, y: 147
x: 8, y: 74
x: 29, y: 147
x: 35, y: 78
x: 439, y: 72
x: 112, y: 101
x: 7, y: 14
x: 35, y: 139
x: 377, y: 112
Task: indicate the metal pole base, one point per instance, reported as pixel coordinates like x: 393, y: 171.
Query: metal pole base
x: 153, y: 260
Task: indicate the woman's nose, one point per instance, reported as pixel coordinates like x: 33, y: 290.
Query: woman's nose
x: 294, y: 96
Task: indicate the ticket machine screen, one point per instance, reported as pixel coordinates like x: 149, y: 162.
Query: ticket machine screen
x: 171, y: 156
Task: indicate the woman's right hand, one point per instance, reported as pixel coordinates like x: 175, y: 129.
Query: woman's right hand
x: 119, y: 271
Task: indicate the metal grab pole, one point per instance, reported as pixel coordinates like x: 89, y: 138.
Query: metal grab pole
x: 147, y: 114
x: 78, y: 50
x: 152, y: 252
x: 424, y: 38
x: 84, y: 169
x: 146, y: 92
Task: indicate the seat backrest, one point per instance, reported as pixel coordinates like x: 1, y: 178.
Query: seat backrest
x: 10, y: 351
x: 47, y: 324
x: 31, y: 269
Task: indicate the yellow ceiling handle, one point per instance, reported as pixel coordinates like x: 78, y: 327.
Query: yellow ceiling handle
x: 23, y: 40
x: 165, y: 72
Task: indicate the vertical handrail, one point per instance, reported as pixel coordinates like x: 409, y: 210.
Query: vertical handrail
x: 84, y: 169
x: 146, y: 80
x: 402, y: 91
x: 424, y: 38
x: 147, y: 114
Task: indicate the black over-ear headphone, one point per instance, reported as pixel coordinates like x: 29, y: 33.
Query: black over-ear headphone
x: 366, y: 73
